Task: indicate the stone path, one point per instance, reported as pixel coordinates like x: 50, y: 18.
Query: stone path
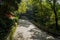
x: 28, y: 31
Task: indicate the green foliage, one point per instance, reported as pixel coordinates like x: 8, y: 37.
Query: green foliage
x: 6, y: 7
x: 5, y: 27
x: 9, y: 6
x: 22, y: 7
x: 45, y: 13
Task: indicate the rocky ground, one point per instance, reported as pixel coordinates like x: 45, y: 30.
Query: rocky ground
x: 28, y: 31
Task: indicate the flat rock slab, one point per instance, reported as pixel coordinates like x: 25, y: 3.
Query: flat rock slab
x: 28, y: 31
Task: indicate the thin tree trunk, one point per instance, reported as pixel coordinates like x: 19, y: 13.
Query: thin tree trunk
x: 55, y: 12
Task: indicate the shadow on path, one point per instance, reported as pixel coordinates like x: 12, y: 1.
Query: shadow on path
x: 28, y: 31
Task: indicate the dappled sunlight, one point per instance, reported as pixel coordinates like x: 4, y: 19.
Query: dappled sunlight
x: 29, y: 19
x: 30, y: 33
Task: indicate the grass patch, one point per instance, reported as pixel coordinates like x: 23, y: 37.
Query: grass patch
x: 10, y: 37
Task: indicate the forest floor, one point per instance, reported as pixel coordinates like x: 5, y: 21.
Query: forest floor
x: 28, y: 31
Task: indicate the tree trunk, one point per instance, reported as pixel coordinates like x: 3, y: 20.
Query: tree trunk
x: 55, y: 12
